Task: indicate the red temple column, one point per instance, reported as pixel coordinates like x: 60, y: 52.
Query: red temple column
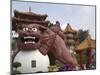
x: 90, y: 56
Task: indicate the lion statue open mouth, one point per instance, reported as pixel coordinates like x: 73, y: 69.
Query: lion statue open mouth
x: 28, y: 37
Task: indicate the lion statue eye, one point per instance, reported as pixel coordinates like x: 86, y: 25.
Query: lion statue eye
x: 25, y: 29
x: 34, y: 29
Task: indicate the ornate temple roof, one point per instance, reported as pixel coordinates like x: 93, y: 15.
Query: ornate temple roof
x: 68, y: 29
x: 29, y: 17
x: 27, y: 21
x: 29, y: 13
x: 88, y: 43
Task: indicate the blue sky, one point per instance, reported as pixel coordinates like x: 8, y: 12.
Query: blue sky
x: 78, y: 16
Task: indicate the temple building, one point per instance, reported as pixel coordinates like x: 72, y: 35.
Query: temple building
x: 27, y: 18
x: 88, y: 45
x: 72, y: 37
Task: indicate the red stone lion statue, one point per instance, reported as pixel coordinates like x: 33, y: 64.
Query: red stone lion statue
x: 33, y: 36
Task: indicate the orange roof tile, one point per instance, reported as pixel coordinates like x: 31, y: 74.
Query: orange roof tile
x: 69, y: 29
x: 86, y: 44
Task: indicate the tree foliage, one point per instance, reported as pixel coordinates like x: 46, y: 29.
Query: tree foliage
x: 13, y: 44
x: 49, y: 23
x: 82, y: 34
x: 16, y: 65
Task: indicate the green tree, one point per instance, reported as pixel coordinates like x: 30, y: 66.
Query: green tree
x: 16, y: 65
x: 49, y: 23
x: 82, y: 34
x: 13, y: 44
